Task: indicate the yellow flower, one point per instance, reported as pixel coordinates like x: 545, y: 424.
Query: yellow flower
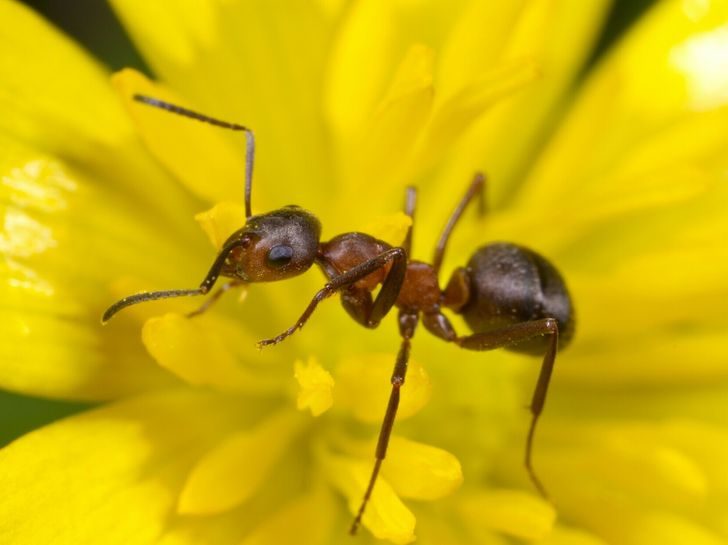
x: 199, y: 438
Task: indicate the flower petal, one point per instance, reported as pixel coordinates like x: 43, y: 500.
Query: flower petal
x: 570, y: 536
x: 382, y: 145
x: 57, y: 100
x: 639, y: 95
x: 264, y: 79
x: 112, y: 472
x: 669, y: 358
x: 363, y: 386
x: 420, y: 471
x: 221, y: 221
x: 391, y: 229
x: 55, y: 95
x: 359, y: 63
x: 453, y: 117
x: 248, y: 455
x: 50, y: 285
x: 386, y: 516
x: 195, y: 351
x: 196, y: 153
x: 512, y: 512
x: 304, y: 521
x: 556, y: 37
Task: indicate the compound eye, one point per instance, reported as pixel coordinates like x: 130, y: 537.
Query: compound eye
x: 279, y: 256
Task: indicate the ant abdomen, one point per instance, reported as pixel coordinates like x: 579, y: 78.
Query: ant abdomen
x: 510, y: 284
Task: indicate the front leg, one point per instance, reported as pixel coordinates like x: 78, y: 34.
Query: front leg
x: 383, y: 303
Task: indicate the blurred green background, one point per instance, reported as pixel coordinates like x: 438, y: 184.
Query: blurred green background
x: 92, y: 24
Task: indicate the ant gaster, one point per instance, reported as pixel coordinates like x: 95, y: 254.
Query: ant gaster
x: 510, y: 296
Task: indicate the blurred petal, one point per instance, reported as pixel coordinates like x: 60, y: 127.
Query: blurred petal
x: 461, y: 110
x: 69, y: 482
x: 512, y: 512
x: 556, y: 37
x: 383, y: 143
x: 570, y: 536
x: 359, y: 62
x: 420, y: 471
x: 248, y: 455
x: 640, y: 91
x: 304, y: 521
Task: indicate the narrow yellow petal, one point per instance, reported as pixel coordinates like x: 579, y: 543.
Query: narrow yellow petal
x: 234, y: 470
x: 673, y: 358
x: 385, y: 140
x: 244, y: 62
x: 460, y: 111
x: 197, y: 154
x: 646, y: 87
x: 315, y: 387
x: 363, y: 386
x: 476, y: 42
x: 67, y: 483
x: 557, y: 37
x: 195, y: 351
x: 562, y: 535
x: 615, y: 461
x: 435, y: 529
x: 304, y: 521
x: 667, y: 528
x: 359, y: 63
x: 391, y: 229
x: 420, y: 471
x: 52, y: 289
x: 221, y: 221
x: 386, y: 516
x: 55, y: 94
x: 512, y: 512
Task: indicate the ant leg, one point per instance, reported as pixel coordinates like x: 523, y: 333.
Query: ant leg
x: 512, y: 335
x: 215, y: 296
x: 407, y: 324
x: 385, y: 299
x: 249, y: 137
x: 477, y: 187
x: 410, y: 202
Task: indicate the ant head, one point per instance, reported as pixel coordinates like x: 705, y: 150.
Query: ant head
x: 273, y: 246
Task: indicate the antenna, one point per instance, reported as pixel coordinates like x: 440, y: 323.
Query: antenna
x: 249, y: 138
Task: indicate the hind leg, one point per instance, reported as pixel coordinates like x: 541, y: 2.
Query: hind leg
x: 505, y: 337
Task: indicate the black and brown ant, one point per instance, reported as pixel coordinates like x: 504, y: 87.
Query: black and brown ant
x: 510, y: 296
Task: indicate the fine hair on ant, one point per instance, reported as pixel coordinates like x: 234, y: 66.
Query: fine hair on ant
x: 509, y: 296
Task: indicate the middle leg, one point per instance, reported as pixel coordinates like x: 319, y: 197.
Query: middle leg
x: 407, y: 325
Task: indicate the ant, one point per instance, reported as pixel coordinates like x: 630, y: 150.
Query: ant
x: 510, y: 296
